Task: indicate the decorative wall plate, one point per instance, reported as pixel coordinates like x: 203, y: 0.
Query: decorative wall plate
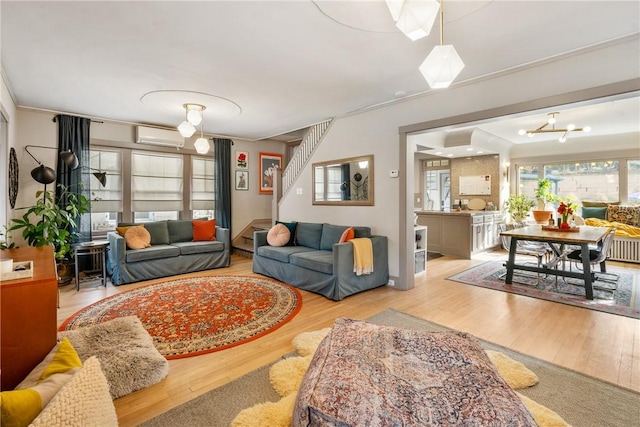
x: 13, y: 177
x: 476, y: 204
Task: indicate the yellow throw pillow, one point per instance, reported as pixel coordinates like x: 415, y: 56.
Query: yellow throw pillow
x: 21, y: 406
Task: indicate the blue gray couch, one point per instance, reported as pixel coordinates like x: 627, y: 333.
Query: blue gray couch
x: 172, y: 252
x: 318, y: 263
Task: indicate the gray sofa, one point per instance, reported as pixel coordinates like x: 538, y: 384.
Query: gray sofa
x: 318, y: 263
x: 172, y: 252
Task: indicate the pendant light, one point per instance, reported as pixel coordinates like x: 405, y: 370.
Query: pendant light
x: 414, y: 17
x: 443, y: 64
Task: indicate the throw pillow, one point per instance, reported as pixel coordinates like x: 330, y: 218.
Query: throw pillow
x: 123, y: 229
x: 83, y: 401
x: 204, y: 231
x: 292, y: 229
x: 625, y: 214
x: 347, y: 235
x: 594, y: 212
x: 594, y: 204
x: 137, y: 238
x: 278, y: 235
x: 21, y: 406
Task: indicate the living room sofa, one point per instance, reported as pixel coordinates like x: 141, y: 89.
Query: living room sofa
x: 316, y: 262
x: 172, y: 252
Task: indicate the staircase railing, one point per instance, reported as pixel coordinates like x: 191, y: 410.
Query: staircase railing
x: 303, y: 154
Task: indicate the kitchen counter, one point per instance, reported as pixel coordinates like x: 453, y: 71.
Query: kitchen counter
x: 461, y: 234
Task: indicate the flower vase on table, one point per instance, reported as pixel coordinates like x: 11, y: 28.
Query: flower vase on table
x: 565, y: 210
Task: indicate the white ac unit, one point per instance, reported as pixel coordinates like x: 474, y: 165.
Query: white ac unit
x: 155, y: 136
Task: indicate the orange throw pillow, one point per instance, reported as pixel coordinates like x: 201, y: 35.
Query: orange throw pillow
x: 347, y: 235
x: 122, y: 230
x: 137, y: 237
x: 204, y: 231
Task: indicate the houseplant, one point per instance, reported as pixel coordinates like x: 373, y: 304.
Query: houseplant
x: 518, y: 206
x: 51, y: 223
x: 543, y: 196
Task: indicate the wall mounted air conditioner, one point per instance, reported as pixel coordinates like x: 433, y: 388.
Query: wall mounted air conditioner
x: 163, y: 137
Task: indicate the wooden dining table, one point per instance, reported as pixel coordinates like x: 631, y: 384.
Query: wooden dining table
x: 556, y: 239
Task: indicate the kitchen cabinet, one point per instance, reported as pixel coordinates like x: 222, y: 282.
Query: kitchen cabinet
x: 461, y: 234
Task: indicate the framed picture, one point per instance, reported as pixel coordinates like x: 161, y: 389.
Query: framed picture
x: 269, y: 163
x: 242, y: 180
x: 242, y: 160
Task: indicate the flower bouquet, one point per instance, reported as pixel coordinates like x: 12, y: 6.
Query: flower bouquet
x: 564, y: 210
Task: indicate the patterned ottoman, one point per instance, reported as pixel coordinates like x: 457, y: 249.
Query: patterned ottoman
x: 368, y: 375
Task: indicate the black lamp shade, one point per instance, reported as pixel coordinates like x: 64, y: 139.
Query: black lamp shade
x: 101, y: 177
x: 70, y: 159
x: 43, y: 174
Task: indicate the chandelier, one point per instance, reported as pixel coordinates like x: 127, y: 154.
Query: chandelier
x: 551, y: 121
x: 194, y: 113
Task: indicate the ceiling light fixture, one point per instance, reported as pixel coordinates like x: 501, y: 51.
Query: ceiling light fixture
x: 552, y: 121
x: 443, y: 64
x: 414, y: 17
x: 193, y: 117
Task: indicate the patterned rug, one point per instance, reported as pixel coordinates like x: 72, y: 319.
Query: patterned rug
x: 624, y: 301
x: 194, y: 316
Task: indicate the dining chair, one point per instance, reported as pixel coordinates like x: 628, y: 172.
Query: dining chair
x: 533, y: 249
x: 596, y: 256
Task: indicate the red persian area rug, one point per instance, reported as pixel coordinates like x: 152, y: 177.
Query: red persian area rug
x: 194, y: 316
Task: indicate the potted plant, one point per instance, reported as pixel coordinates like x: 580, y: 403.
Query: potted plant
x: 49, y: 223
x: 518, y: 206
x: 543, y: 195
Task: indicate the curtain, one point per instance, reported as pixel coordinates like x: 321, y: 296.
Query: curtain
x: 73, y: 134
x: 222, y: 153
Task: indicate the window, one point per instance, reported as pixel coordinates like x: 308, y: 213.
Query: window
x: 106, y: 202
x: 156, y: 185
x: 597, y: 180
x: 633, y: 182
x: 202, y: 187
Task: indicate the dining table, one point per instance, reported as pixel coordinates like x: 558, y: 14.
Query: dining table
x: 583, y: 236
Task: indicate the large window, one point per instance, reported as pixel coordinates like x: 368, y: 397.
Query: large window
x: 156, y: 185
x: 106, y: 201
x: 202, y: 187
x: 599, y: 180
x: 633, y: 180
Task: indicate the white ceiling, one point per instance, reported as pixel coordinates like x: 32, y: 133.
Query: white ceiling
x: 285, y: 64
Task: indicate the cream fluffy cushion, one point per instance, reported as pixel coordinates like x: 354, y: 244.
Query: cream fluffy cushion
x: 286, y: 375
x: 515, y: 373
x: 272, y: 414
x: 278, y: 235
x: 307, y: 342
x: 137, y: 238
x: 83, y: 401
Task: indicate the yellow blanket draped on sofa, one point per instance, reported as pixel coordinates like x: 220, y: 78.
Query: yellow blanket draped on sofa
x: 623, y: 230
x: 362, y: 256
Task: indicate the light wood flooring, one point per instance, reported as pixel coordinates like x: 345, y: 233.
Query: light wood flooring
x: 602, y: 345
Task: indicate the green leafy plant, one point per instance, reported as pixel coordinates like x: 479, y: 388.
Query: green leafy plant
x: 49, y: 223
x: 5, y: 238
x: 543, y: 193
x: 518, y: 206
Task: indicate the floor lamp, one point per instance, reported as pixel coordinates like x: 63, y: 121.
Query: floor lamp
x: 44, y: 174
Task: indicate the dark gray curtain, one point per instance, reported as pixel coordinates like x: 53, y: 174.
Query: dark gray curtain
x: 73, y: 134
x: 222, y: 153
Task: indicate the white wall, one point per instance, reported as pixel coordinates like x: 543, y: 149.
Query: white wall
x: 376, y: 131
x: 37, y: 127
x: 8, y: 112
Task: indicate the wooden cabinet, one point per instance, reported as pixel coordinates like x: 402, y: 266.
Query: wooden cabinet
x: 27, y: 314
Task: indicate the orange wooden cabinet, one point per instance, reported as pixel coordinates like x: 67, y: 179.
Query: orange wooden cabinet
x: 27, y: 314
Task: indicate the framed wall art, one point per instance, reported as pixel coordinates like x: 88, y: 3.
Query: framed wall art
x: 242, y: 180
x: 242, y: 160
x: 269, y: 164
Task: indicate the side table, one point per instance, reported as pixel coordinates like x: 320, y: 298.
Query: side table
x: 93, y: 248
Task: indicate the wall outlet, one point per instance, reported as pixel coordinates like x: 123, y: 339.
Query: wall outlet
x: 391, y: 282
x: 299, y: 190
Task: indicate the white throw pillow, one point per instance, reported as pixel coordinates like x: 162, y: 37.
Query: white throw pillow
x: 278, y: 235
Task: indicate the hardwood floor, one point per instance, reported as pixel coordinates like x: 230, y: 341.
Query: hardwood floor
x: 602, y: 345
